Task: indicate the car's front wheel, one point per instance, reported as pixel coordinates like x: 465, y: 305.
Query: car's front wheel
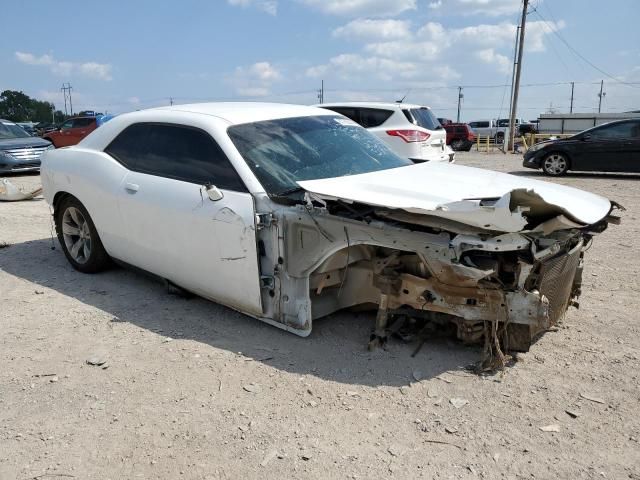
x: 555, y: 164
x: 79, y: 238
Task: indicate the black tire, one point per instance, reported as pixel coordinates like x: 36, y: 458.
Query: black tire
x: 457, y: 144
x: 76, y: 231
x: 555, y: 164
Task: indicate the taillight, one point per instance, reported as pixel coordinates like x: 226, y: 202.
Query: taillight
x: 409, y: 135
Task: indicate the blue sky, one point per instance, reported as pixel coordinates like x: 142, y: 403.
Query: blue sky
x: 125, y: 55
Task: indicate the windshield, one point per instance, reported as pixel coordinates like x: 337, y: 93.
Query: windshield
x: 425, y: 119
x: 11, y: 130
x: 284, y: 151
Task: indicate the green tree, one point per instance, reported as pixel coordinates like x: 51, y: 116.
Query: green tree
x: 19, y: 107
x: 15, y: 106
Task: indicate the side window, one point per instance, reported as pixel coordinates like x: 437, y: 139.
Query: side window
x: 461, y: 130
x: 350, y: 113
x: 82, y: 122
x: 66, y: 125
x: 620, y: 130
x: 174, y: 151
x: 373, y: 117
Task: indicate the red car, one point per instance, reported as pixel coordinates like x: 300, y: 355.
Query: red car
x: 460, y: 136
x: 72, y: 131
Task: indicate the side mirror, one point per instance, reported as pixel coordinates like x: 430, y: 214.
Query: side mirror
x: 213, y: 193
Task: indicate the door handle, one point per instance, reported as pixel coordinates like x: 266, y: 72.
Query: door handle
x: 131, y: 187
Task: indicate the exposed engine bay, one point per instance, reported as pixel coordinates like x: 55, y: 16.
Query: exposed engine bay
x: 501, y: 288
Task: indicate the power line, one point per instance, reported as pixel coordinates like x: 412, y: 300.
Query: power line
x: 578, y: 54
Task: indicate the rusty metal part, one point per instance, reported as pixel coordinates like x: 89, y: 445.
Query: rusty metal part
x: 379, y: 336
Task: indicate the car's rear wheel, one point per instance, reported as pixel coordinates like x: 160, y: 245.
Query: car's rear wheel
x: 79, y: 238
x: 555, y: 164
x: 457, y: 144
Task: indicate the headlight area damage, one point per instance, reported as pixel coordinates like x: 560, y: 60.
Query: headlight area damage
x: 499, y: 269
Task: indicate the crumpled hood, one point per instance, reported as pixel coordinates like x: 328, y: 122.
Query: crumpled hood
x: 455, y: 192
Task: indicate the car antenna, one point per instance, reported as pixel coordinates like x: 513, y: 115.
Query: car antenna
x: 405, y: 96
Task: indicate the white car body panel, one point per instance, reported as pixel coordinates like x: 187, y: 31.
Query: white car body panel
x: 454, y: 192
x: 174, y: 231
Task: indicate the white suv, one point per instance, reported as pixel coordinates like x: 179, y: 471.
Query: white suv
x: 412, y: 131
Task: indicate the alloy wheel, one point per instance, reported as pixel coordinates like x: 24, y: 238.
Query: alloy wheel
x: 76, y: 235
x: 555, y: 164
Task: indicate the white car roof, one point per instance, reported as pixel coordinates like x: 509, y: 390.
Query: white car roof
x: 386, y: 105
x: 246, y: 112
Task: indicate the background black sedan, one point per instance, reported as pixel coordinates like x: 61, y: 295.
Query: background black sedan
x: 612, y: 147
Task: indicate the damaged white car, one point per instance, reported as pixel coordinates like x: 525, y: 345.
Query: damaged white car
x: 289, y: 213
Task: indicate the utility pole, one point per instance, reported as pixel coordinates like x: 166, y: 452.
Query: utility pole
x: 515, y: 63
x: 70, y: 103
x: 321, y: 92
x: 571, y: 105
x: 460, y: 97
x: 64, y: 93
x: 600, y: 95
x: 516, y: 88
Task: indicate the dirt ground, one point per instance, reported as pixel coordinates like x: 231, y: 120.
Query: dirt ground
x: 194, y: 390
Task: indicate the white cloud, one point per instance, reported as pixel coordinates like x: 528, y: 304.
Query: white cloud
x: 101, y: 71
x: 490, y: 57
x: 428, y: 53
x: 268, y: 6
x: 264, y: 71
x: 350, y: 66
x: 367, y: 29
x: 362, y: 8
x: 255, y: 80
x: 409, y: 50
x: 477, y: 7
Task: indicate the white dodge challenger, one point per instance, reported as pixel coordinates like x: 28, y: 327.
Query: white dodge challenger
x: 288, y: 213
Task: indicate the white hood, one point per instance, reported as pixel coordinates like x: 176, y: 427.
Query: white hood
x: 454, y: 192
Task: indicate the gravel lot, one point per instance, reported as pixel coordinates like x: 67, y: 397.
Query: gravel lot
x: 195, y: 390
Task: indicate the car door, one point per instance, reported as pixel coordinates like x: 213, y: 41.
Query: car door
x: 81, y: 128
x: 634, y: 148
x: 63, y: 137
x: 606, y: 148
x: 178, y: 224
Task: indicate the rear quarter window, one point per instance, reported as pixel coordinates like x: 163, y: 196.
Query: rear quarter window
x: 365, y: 117
x: 373, y: 117
x: 423, y: 117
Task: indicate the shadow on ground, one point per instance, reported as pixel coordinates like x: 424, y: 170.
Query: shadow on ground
x: 336, y: 349
x: 600, y: 175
